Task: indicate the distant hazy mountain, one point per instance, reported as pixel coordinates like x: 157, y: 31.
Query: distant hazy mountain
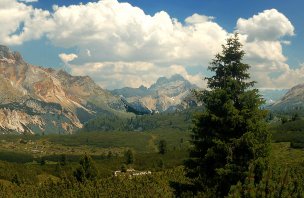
x: 39, y: 100
x: 292, y: 100
x: 167, y: 94
x: 271, y: 96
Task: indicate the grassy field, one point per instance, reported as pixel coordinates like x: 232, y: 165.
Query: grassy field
x: 22, y: 157
x: 106, y: 148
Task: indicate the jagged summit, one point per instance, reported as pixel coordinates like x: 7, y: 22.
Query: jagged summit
x: 166, y: 94
x: 7, y: 55
x: 4, y: 51
x: 165, y: 80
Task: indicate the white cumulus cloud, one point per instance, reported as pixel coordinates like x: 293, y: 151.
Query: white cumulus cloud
x: 268, y: 25
x: 132, y: 74
x: 29, y: 1
x: 20, y: 22
x: 112, y: 36
x: 66, y: 58
x: 196, y: 18
x: 119, y: 45
x: 114, y: 31
x: 261, y: 36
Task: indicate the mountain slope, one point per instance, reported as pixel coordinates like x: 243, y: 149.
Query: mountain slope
x: 292, y: 100
x: 272, y: 96
x: 41, y: 100
x: 167, y: 94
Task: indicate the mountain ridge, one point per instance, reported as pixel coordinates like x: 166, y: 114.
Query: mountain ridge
x: 292, y: 100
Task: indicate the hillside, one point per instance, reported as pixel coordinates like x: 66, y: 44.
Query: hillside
x: 292, y: 101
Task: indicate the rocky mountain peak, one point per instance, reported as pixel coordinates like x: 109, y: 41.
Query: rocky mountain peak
x: 7, y: 55
x: 142, y: 87
x: 165, y: 80
x: 4, y: 51
x: 177, y: 77
x: 164, y: 95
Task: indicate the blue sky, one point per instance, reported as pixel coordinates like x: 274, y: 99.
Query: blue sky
x: 128, y: 54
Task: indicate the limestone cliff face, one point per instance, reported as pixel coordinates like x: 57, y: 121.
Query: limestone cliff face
x: 42, y: 100
x: 167, y: 94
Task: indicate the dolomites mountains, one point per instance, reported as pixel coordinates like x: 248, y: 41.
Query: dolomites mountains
x: 38, y: 100
x: 167, y: 94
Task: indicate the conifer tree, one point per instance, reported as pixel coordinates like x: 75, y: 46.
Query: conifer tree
x: 129, y: 156
x: 87, y: 169
x: 231, y: 134
x: 162, y: 147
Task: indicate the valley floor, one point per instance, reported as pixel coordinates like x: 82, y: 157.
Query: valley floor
x: 44, y: 166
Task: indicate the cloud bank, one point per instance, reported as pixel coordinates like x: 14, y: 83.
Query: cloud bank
x: 119, y: 45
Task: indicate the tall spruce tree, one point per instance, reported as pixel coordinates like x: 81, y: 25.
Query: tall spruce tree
x: 87, y: 169
x: 231, y: 134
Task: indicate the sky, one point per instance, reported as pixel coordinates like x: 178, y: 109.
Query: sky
x: 134, y: 42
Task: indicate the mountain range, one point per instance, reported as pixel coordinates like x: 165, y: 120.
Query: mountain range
x: 40, y: 100
x: 166, y: 95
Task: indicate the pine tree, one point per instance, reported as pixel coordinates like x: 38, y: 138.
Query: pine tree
x: 231, y: 134
x: 129, y: 156
x: 162, y: 147
x: 63, y: 160
x: 87, y: 169
x: 16, y: 180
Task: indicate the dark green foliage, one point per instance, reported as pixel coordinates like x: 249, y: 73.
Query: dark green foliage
x: 176, y: 120
x: 297, y: 144
x: 295, y: 117
x: 63, y: 160
x: 154, y: 185
x: 42, y: 161
x: 274, y: 183
x: 162, y: 147
x: 123, y: 168
x: 110, y: 155
x: 296, y: 125
x: 87, y: 169
x: 11, y: 156
x: 270, y: 117
x: 284, y: 120
x: 16, y: 180
x: 231, y: 134
x: 161, y: 164
x: 129, y: 156
x: 291, y: 131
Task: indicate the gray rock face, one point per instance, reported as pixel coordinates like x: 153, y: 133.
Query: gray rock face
x: 167, y: 94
